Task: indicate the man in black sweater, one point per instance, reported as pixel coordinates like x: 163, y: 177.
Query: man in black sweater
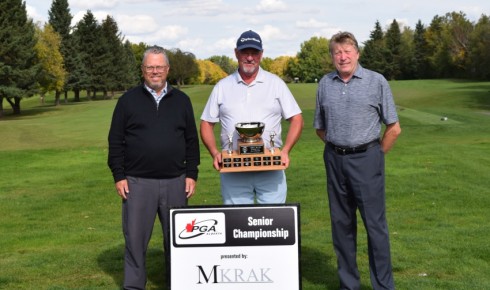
x: 154, y: 158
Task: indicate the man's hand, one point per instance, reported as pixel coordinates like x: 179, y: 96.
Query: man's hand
x: 285, y: 158
x: 217, y: 161
x: 390, y: 135
x: 207, y: 136
x: 190, y: 187
x: 122, y: 188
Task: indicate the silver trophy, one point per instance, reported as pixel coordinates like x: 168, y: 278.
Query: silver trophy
x: 250, y: 154
x: 250, y: 141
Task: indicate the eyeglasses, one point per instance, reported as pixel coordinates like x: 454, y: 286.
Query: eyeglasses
x: 160, y: 68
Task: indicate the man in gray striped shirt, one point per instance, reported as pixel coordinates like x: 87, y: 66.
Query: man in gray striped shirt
x: 352, y: 104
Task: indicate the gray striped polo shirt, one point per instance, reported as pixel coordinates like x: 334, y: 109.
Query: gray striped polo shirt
x: 351, y: 113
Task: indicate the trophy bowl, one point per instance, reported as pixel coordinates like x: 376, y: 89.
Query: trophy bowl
x: 250, y: 132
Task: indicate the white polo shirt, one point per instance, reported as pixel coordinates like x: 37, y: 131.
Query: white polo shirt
x: 267, y: 99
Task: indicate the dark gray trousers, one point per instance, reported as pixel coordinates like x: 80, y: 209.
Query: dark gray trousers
x: 357, y: 182
x: 146, y: 199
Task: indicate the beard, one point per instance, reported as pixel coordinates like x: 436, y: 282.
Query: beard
x: 249, y: 68
x: 157, y: 84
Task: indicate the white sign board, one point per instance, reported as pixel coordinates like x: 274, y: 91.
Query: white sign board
x: 235, y: 247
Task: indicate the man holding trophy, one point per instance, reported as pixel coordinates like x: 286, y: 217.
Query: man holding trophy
x: 248, y: 100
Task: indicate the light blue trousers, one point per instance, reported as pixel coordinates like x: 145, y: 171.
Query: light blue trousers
x: 263, y: 187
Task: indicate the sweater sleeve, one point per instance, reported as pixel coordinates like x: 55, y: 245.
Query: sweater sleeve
x: 192, y: 143
x: 117, y: 143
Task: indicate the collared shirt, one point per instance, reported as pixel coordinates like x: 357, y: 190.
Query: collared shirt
x: 267, y: 99
x: 155, y: 95
x: 351, y: 112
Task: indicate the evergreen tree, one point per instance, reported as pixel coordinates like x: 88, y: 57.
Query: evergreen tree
x: 19, y: 66
x: 374, y: 53
x: 92, y: 53
x: 138, y: 52
x: 421, y: 52
x: 377, y: 33
x: 76, y: 66
x: 114, y: 67
x: 132, y: 70
x: 393, y: 45
x: 407, y: 55
x: 60, y: 19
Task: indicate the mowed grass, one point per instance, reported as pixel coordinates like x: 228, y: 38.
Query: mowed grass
x: 60, y: 225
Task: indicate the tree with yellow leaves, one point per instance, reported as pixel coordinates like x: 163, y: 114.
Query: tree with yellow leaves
x: 53, y: 74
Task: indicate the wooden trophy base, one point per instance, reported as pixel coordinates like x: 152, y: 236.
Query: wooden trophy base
x: 236, y: 162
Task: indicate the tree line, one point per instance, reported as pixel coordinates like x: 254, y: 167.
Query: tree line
x: 450, y: 47
x: 94, y: 57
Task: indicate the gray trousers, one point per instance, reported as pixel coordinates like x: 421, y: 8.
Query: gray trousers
x: 146, y: 199
x: 357, y: 182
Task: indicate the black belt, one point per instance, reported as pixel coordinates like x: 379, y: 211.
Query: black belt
x: 351, y: 150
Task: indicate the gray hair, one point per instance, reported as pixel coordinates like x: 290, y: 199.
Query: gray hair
x: 155, y: 50
x: 343, y: 37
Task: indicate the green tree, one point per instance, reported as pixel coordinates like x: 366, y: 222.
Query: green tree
x: 132, y: 74
x: 183, y: 67
x: 227, y: 64
x: 76, y: 67
x: 114, y: 72
x: 92, y: 53
x: 393, y: 45
x: 313, y: 59
x: 53, y: 74
x: 459, y: 29
x: 19, y: 66
x: 421, y: 52
x: 138, y: 52
x: 60, y: 19
x: 374, y: 53
x: 292, y: 69
x: 479, y: 56
x: 438, y: 45
x: 407, y: 54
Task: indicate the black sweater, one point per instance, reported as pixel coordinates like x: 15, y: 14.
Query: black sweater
x: 150, y: 141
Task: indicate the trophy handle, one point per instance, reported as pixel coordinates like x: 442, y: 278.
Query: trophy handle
x: 272, y: 134
x: 230, y: 143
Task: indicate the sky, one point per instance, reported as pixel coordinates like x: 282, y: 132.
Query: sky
x: 212, y: 27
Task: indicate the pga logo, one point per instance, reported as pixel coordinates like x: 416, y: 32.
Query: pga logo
x: 200, y: 228
x: 193, y: 229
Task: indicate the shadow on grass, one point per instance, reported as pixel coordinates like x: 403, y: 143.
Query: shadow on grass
x: 111, y: 262
x: 34, y: 110
x: 316, y: 269
x: 29, y: 112
x: 480, y: 94
x: 318, y: 272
